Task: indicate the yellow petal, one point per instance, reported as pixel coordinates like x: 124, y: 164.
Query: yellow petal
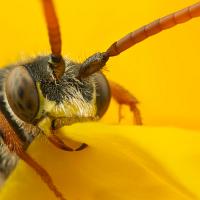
x: 121, y: 163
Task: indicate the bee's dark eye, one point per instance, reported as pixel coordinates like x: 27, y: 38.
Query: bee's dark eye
x: 22, y: 94
x: 103, y: 94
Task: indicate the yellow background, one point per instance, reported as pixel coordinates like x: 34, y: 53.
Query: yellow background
x: 162, y: 72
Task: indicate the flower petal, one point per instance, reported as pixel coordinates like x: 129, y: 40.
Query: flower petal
x: 121, y: 162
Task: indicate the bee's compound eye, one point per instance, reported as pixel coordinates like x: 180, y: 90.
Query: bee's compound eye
x: 103, y: 94
x: 22, y: 94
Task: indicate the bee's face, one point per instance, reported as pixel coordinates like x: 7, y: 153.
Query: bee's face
x: 33, y: 92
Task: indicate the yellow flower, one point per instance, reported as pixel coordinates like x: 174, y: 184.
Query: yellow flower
x: 122, y: 162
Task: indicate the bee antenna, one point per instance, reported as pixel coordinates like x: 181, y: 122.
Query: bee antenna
x: 56, y: 61
x: 153, y: 28
x: 97, y: 61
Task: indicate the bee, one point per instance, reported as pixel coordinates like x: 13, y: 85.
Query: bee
x: 40, y: 95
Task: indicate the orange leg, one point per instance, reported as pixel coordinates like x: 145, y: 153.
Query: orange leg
x: 14, y: 144
x: 120, y: 113
x: 123, y: 96
x: 55, y: 140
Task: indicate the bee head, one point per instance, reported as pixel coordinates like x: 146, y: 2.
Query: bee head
x: 53, y: 87
x: 34, y: 92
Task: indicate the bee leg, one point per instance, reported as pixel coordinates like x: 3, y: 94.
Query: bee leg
x: 61, y: 145
x: 14, y: 144
x: 120, y: 113
x: 82, y: 146
x: 124, y: 97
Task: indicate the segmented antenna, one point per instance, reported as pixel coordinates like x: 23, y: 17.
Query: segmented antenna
x: 56, y: 62
x: 53, y: 27
x: 153, y: 28
x: 97, y: 61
